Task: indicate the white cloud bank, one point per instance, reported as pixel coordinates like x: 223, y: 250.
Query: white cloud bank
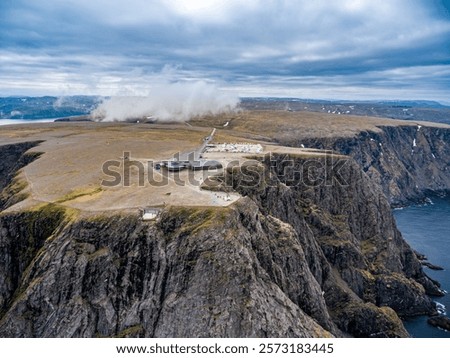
x: 169, y: 102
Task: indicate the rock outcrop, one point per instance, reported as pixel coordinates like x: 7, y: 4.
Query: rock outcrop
x: 296, y: 257
x: 442, y: 322
x: 13, y: 158
x: 195, y: 274
x: 408, y: 162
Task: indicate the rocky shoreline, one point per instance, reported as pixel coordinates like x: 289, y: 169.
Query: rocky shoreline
x: 442, y: 322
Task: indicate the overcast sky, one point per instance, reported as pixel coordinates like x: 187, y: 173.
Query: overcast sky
x: 342, y: 49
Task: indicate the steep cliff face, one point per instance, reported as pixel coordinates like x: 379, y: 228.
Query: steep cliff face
x: 295, y: 257
x: 348, y: 233
x: 406, y: 161
x: 13, y: 157
x: 196, y: 273
x: 22, y: 237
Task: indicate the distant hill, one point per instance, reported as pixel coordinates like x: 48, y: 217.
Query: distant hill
x: 430, y: 111
x: 34, y: 108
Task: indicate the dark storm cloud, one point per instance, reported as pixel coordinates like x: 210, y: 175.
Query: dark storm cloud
x: 296, y: 48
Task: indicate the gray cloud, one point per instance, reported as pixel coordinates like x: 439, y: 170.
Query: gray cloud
x: 289, y: 47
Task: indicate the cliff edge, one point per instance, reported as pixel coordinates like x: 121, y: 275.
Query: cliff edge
x: 296, y: 256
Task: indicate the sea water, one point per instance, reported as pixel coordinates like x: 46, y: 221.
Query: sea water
x: 5, y: 122
x: 427, y: 229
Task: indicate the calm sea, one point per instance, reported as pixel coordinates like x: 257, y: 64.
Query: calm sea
x: 427, y: 230
x: 4, y: 122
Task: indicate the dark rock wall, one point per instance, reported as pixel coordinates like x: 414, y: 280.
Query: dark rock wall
x: 407, y: 161
x: 195, y: 274
x: 286, y: 261
x: 296, y: 257
x: 347, y: 231
x: 13, y: 157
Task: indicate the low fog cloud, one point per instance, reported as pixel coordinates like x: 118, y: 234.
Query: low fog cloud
x: 168, y: 102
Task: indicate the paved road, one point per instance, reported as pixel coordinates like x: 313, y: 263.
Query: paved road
x: 197, y: 153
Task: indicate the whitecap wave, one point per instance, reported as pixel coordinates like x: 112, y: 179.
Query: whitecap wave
x: 441, y: 308
x: 429, y: 201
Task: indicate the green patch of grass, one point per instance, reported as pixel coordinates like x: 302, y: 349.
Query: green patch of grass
x: 13, y: 193
x: 77, y: 193
x: 334, y: 241
x: 368, y: 246
x: 130, y: 332
x: 17, y: 185
x: 191, y: 220
x: 55, y: 211
x: 367, y: 275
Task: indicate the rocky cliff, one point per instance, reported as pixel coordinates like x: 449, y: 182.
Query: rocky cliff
x: 13, y: 157
x: 295, y: 257
x: 407, y: 161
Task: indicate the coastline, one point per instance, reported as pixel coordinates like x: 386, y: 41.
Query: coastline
x: 423, y: 226
x: 6, y: 122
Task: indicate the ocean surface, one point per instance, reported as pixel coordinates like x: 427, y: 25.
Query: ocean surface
x: 427, y: 230
x: 4, y: 122
x: 16, y: 110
